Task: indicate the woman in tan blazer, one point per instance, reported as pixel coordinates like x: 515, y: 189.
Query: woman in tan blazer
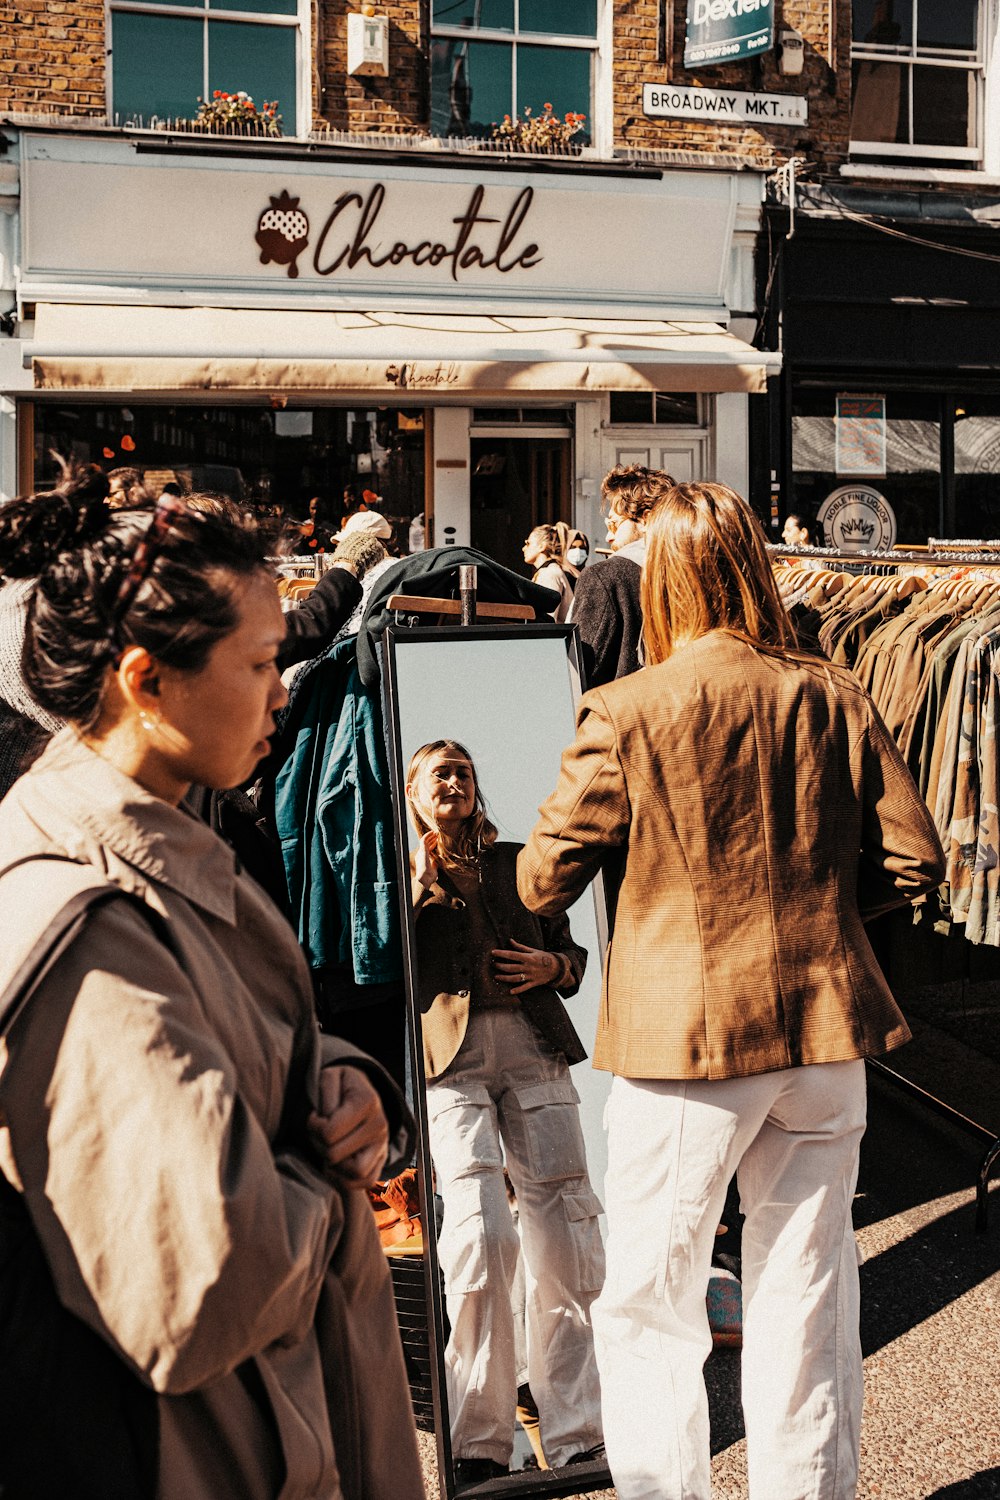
x: 497, y: 1047
x: 764, y: 815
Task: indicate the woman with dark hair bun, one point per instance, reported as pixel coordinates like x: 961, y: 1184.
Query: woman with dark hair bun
x: 193, y: 1156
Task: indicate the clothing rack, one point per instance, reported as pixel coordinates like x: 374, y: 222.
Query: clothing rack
x: 467, y: 606
x: 937, y: 552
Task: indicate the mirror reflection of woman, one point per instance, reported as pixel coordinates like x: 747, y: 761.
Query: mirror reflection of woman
x: 497, y: 1047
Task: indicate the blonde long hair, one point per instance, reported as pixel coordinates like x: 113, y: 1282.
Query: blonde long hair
x: 707, y: 568
x: 477, y: 832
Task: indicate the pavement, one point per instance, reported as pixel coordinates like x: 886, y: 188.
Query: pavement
x: 930, y: 1296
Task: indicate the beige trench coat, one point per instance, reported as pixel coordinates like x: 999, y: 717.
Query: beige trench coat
x: 154, y: 1114
x: 765, y: 815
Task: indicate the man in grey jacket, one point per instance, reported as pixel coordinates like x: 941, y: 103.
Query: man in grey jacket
x: 606, y: 601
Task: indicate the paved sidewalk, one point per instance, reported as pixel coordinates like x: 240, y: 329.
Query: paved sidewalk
x: 931, y: 1300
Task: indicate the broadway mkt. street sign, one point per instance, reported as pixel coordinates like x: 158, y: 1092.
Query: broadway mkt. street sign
x: 722, y: 31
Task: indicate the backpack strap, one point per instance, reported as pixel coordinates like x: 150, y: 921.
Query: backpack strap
x: 61, y: 932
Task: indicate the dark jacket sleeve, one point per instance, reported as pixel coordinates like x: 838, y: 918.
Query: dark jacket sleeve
x: 559, y: 939
x: 600, y: 625
x: 312, y: 627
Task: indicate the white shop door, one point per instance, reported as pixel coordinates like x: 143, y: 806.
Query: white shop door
x: 684, y: 458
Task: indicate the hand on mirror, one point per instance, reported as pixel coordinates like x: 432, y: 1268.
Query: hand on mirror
x: 524, y: 968
x: 349, y: 1129
x: 425, y: 865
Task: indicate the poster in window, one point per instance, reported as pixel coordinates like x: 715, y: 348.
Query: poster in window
x: 860, y: 426
x: 725, y: 31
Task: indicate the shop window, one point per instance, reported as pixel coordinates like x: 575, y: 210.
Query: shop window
x: 163, y: 60
x: 659, y: 408
x: 273, y: 462
x: 491, y: 58
x: 522, y: 416
x: 916, y: 478
x: 918, y: 79
x: 977, y: 466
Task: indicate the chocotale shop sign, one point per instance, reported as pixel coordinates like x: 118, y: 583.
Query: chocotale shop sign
x: 723, y: 31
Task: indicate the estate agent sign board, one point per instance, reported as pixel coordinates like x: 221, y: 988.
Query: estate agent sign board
x: 724, y: 31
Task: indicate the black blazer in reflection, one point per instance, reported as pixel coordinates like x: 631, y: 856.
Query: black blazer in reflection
x: 444, y: 960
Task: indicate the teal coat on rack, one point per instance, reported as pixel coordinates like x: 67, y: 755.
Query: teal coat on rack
x: 333, y: 813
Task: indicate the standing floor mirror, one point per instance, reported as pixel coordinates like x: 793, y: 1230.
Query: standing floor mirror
x: 512, y: 1155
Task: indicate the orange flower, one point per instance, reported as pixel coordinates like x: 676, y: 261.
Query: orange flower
x: 128, y: 444
x: 108, y: 452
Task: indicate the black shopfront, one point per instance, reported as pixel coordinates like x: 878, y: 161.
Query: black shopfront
x: 908, y: 312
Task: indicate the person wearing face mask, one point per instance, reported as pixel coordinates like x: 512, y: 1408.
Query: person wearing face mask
x: 574, y: 551
x: 606, y: 604
x: 577, y: 555
x: 498, y: 1043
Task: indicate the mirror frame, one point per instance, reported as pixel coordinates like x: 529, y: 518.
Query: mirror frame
x: 546, y: 1482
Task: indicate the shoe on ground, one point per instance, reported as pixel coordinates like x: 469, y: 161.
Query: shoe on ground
x: 478, y: 1471
x: 595, y: 1455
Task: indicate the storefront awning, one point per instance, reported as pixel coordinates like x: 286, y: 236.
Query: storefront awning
x: 85, y: 349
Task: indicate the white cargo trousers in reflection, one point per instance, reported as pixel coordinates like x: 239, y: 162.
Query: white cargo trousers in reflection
x: 507, y: 1083
x: 793, y: 1139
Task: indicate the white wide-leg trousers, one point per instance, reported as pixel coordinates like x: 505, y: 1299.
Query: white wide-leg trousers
x: 507, y: 1084
x: 793, y: 1139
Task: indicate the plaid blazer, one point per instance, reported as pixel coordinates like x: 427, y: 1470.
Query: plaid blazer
x: 764, y: 814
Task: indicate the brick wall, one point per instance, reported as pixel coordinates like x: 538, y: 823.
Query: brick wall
x: 52, y: 60
x: 645, y: 53
x: 399, y: 103
x: 52, y: 56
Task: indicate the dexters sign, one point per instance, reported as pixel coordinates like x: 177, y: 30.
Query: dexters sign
x: 721, y: 31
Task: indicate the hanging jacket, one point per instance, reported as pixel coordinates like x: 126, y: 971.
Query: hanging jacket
x: 333, y: 814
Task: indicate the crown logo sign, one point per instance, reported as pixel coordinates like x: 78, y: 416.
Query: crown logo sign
x: 856, y: 528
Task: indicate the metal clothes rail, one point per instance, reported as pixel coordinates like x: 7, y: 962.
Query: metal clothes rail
x: 929, y: 556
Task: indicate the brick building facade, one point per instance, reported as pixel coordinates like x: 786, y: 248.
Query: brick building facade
x: 812, y: 278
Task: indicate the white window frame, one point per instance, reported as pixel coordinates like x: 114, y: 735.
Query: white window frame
x: 599, y: 73
x: 300, y: 20
x: 971, y: 62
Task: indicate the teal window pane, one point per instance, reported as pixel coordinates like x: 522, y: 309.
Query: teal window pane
x: 470, y: 86
x: 948, y: 23
x: 559, y: 17
x: 263, y: 7
x: 495, y: 14
x: 156, y: 66
x: 887, y: 25
x: 260, y: 60
x: 559, y: 76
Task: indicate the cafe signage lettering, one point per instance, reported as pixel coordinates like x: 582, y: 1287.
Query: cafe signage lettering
x: 350, y: 236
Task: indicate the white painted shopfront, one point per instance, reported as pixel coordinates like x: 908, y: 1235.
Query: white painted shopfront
x: 585, y: 312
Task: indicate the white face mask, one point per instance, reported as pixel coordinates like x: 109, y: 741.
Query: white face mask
x: 576, y: 556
